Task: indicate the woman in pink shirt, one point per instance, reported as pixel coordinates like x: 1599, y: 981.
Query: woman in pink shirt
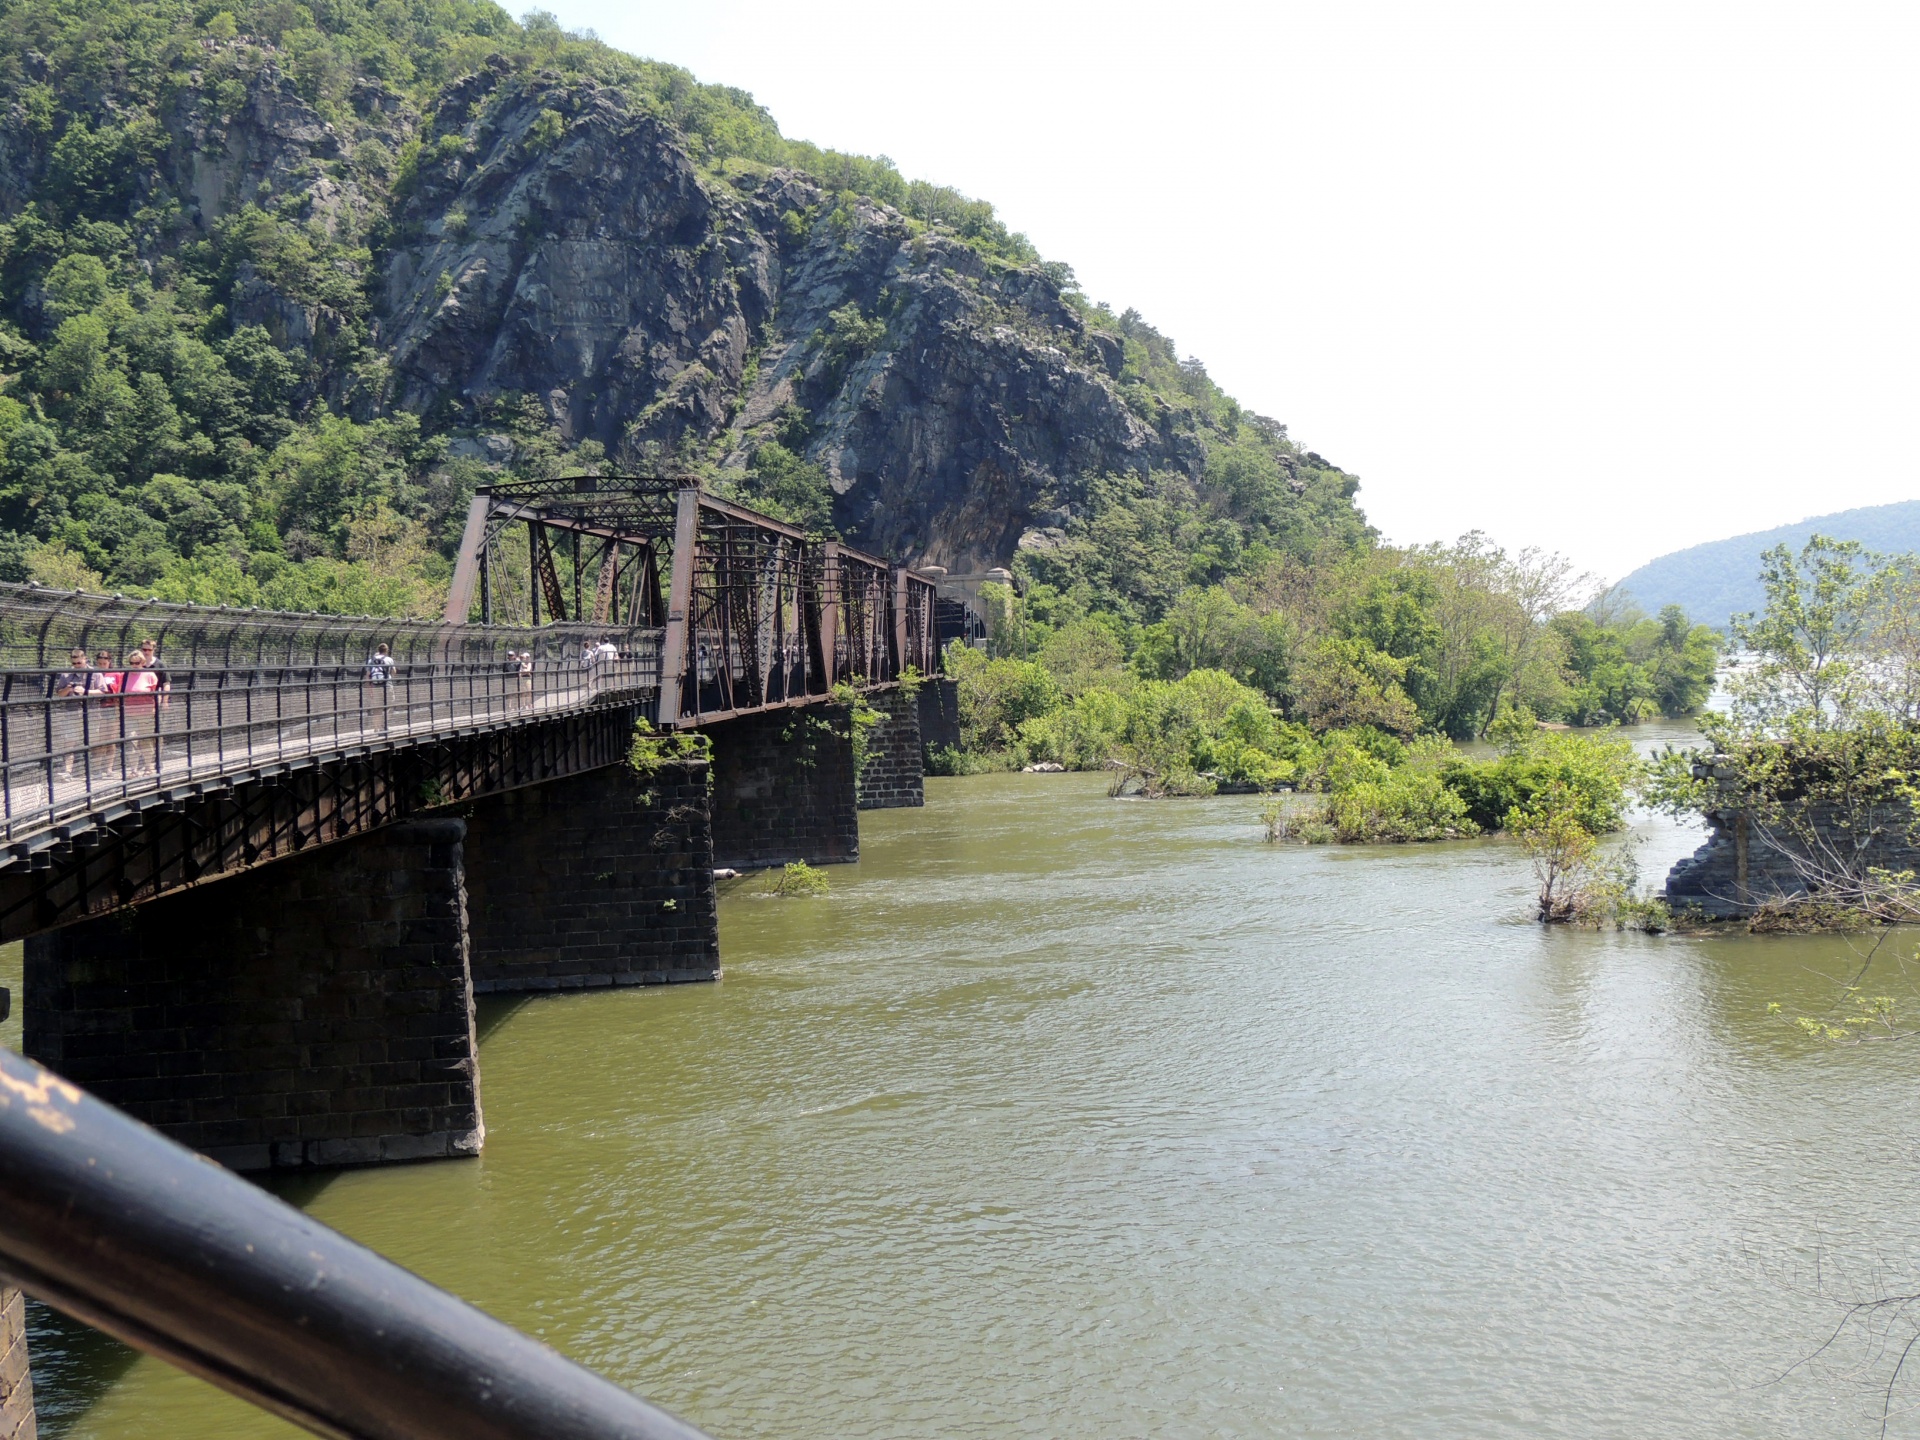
x: 139, y: 700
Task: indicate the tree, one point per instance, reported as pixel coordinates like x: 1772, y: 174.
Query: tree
x: 1892, y: 639
x: 1565, y: 854
x: 1535, y: 586
x: 1347, y: 682
x: 1809, y: 639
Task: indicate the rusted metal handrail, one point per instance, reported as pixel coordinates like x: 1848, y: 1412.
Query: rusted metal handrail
x: 134, y: 1235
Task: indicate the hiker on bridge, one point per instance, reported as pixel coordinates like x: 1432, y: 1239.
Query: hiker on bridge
x: 163, y: 698
x: 140, y: 702
x: 379, y: 686
x: 522, y: 668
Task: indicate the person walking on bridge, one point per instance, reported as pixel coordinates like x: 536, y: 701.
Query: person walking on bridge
x: 379, y: 688
x: 139, y: 702
x: 104, y: 681
x: 68, y: 730
x: 163, y: 699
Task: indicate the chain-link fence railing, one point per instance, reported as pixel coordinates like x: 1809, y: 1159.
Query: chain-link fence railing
x: 105, y: 698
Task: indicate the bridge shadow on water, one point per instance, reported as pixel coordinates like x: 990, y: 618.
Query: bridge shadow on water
x: 74, y: 1366
x: 492, y: 1011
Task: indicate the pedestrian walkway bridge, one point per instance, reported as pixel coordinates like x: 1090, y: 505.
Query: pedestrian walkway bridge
x: 755, y: 616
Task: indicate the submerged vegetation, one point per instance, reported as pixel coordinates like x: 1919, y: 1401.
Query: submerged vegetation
x: 797, y: 881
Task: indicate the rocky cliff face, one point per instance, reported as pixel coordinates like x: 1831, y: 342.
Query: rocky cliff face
x: 659, y: 313
x: 526, y: 262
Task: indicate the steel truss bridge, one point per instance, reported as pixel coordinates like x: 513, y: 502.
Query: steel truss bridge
x: 574, y: 595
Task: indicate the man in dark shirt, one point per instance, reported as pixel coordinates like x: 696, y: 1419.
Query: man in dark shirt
x: 69, y: 720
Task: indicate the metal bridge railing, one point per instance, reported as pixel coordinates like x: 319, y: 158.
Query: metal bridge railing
x: 234, y: 691
x: 132, y: 1234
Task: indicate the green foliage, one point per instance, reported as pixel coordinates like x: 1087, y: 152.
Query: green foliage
x: 946, y: 760
x: 850, y: 335
x: 1347, y: 681
x: 546, y: 130
x: 1551, y: 826
x: 652, y: 749
x: 997, y: 696
x: 1856, y: 1017
x: 797, y: 881
x: 861, y: 719
x: 781, y: 484
x: 1370, y: 801
x: 1190, y: 736
x: 1207, y: 629
x: 1592, y: 774
x: 1632, y: 668
x: 1811, y: 639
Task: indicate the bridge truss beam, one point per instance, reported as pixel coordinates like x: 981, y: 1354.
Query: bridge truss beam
x: 758, y: 614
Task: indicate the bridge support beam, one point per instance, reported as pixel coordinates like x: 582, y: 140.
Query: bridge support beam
x: 599, y: 879
x: 313, y: 1011
x: 783, y: 788
x: 16, y: 1384
x: 893, y: 774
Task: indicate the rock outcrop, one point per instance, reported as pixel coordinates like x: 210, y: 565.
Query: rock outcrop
x: 567, y: 249
x: 536, y: 262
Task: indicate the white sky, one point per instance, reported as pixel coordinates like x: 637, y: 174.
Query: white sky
x: 1612, y: 279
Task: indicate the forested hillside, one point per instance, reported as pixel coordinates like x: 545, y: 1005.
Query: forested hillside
x: 1721, y: 578
x: 281, y: 282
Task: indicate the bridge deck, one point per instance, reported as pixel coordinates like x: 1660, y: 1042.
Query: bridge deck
x: 237, y: 691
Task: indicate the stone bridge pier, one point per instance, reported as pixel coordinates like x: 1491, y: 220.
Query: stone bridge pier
x: 894, y: 773
x: 600, y: 879
x: 784, y: 788
x: 312, y: 1011
x: 318, y: 1010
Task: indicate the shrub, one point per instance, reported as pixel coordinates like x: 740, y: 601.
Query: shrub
x: 797, y: 881
x: 1593, y: 771
x: 1408, y: 804
x: 651, y: 749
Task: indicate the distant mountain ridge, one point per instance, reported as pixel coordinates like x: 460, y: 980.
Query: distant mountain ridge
x: 1719, y: 579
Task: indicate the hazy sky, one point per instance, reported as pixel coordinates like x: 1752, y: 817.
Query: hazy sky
x: 1610, y: 279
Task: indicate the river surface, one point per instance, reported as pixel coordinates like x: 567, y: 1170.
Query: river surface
x: 1065, y: 1116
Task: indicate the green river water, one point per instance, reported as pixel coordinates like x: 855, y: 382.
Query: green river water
x: 1065, y: 1116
